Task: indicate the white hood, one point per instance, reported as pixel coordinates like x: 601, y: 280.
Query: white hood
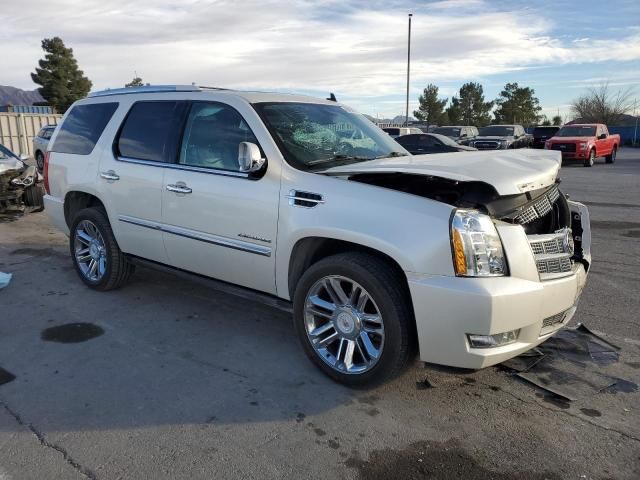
x: 510, y: 172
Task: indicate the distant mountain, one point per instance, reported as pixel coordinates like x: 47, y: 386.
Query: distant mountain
x: 16, y: 96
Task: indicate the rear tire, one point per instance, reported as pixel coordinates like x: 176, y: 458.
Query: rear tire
x: 40, y: 161
x: 591, y: 159
x: 91, y: 239
x: 612, y: 158
x: 391, y: 337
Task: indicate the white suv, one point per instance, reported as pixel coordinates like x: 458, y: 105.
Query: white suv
x: 468, y: 259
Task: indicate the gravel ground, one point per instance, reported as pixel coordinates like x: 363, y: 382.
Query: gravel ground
x: 171, y: 379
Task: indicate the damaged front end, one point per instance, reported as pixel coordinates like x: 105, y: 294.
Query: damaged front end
x: 20, y: 186
x: 554, y: 225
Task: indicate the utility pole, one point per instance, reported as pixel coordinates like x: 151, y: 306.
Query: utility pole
x: 635, y: 114
x: 406, y: 118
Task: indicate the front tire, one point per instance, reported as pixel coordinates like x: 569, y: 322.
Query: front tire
x: 592, y: 158
x: 354, y: 318
x: 612, y: 158
x: 96, y: 256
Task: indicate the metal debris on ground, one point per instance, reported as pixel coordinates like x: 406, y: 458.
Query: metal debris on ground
x: 573, y: 364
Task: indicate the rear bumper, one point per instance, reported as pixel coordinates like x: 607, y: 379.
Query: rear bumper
x: 55, y: 209
x: 447, y: 309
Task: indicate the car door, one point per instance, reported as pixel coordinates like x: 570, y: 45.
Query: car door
x: 607, y: 142
x: 219, y: 221
x: 131, y: 176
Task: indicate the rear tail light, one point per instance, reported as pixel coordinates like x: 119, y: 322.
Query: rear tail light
x: 45, y: 172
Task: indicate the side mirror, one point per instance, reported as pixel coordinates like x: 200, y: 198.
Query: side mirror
x: 249, y: 158
x: 602, y: 136
x: 464, y: 135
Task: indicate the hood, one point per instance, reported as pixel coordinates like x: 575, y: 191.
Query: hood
x: 466, y: 148
x: 570, y: 139
x: 510, y: 172
x: 11, y: 165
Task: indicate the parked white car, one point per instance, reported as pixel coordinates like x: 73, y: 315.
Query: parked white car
x: 40, y: 142
x: 469, y: 259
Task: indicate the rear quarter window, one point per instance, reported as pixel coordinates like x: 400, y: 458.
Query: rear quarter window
x: 82, y: 128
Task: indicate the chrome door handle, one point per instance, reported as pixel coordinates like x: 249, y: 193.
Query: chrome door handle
x: 110, y: 176
x: 179, y: 188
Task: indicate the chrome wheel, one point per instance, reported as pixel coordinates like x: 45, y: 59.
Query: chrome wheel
x: 344, y: 324
x: 90, y: 251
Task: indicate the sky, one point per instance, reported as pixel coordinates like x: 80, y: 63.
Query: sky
x: 356, y: 49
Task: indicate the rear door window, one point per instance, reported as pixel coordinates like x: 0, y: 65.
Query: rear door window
x: 151, y: 131
x: 82, y: 128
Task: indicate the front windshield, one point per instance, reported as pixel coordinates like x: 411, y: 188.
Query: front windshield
x: 577, y: 131
x: 496, y: 131
x: 448, y: 131
x: 314, y: 136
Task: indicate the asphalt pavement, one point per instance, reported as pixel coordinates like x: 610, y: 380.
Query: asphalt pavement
x: 167, y: 378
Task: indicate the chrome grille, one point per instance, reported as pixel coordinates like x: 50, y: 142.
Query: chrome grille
x: 554, y: 265
x: 486, y: 145
x: 553, y: 319
x: 541, y: 207
x: 554, y: 245
x: 552, y: 254
x: 554, y: 322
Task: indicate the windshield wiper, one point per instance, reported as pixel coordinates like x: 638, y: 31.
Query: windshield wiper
x: 391, y: 155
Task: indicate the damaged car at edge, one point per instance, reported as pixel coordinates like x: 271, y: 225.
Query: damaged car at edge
x: 20, y: 184
x: 468, y: 260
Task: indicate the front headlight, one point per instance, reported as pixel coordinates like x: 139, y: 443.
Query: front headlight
x: 583, y: 145
x: 476, y: 246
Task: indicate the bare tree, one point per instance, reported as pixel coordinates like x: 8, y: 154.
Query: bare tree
x: 601, y: 105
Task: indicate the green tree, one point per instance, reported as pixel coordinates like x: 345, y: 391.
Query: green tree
x: 62, y: 82
x: 453, y: 111
x: 557, y: 120
x: 517, y: 105
x: 545, y: 121
x: 431, y: 107
x: 136, y: 82
x: 473, y: 109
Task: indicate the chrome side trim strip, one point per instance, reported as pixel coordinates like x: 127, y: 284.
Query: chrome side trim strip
x: 200, y: 236
x: 188, y: 168
x: 140, y: 222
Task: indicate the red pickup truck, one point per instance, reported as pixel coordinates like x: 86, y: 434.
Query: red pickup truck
x: 585, y: 142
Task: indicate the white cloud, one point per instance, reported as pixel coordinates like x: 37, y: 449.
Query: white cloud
x: 325, y: 45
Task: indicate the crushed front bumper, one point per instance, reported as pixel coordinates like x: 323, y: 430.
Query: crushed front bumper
x: 448, y: 309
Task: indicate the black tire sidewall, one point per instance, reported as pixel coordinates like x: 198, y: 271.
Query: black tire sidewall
x: 98, y: 218
x: 39, y: 161
x: 391, y: 315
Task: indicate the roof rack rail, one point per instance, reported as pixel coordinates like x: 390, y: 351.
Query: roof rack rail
x: 146, y: 89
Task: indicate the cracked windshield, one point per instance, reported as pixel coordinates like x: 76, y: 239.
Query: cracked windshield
x: 318, y: 136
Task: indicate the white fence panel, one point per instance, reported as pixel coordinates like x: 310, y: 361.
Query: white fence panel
x: 18, y: 129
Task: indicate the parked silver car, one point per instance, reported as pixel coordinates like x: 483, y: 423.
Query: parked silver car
x: 40, y: 142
